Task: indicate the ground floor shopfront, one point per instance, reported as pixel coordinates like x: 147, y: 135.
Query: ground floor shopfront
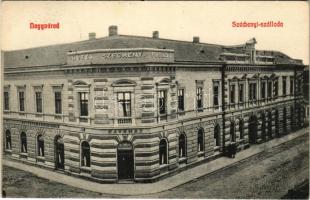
x: 145, y: 154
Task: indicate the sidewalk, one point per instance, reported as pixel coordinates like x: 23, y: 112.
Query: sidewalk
x: 162, y: 185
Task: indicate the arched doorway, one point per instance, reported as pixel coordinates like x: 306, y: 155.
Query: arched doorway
x: 263, y: 126
x: 125, y: 161
x: 276, y: 121
x: 59, y: 153
x: 252, y: 129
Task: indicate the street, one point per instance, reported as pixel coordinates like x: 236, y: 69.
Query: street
x: 267, y: 175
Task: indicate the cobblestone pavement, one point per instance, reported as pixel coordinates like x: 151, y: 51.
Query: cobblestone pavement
x: 267, y: 175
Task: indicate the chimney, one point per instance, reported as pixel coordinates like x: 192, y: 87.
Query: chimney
x: 112, y: 30
x: 155, y: 34
x: 92, y: 36
x: 195, y: 39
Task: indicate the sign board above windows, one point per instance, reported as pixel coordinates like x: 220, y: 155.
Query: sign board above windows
x: 118, y: 56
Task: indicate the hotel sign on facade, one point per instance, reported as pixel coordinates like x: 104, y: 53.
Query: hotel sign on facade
x: 115, y: 56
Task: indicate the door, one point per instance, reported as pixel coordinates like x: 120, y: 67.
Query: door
x: 125, y: 162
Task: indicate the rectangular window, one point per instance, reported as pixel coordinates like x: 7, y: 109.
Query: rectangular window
x: 39, y: 102
x: 181, y: 99
x: 252, y: 91
x: 263, y: 90
x: 6, y: 101
x: 124, y: 104
x: 276, y: 88
x: 232, y: 94
x: 21, y: 96
x: 58, y: 106
x: 284, y: 85
x: 162, y: 100
x: 83, y: 104
x: 199, y: 96
x: 269, y: 89
x: 241, y: 93
x: 291, y: 85
x: 216, y: 88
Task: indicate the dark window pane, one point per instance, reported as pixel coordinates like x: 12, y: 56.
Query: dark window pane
x: 6, y: 101
x: 83, y: 104
x: 181, y: 99
x: 58, y: 103
x: 162, y: 100
x: 21, y: 101
x: 124, y: 103
x: 39, y: 101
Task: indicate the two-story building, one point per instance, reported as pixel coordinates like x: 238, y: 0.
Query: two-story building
x: 139, y: 108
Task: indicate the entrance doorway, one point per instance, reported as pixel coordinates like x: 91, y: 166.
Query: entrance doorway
x: 252, y: 129
x: 59, y: 153
x: 125, y: 161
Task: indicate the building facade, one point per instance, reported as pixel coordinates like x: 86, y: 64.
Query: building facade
x: 142, y: 108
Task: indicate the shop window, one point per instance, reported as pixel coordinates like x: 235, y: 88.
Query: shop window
x: 182, y: 146
x: 217, y: 135
x: 163, y: 152
x: 85, y: 157
x: 23, y: 141
x: 200, y: 138
x: 40, y: 143
x: 8, y: 140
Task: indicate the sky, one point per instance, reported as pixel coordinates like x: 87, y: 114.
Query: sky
x: 211, y: 21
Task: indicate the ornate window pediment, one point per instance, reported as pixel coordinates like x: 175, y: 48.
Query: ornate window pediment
x: 124, y: 82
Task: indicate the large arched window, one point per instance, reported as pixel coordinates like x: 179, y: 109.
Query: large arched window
x: 23, y: 142
x: 182, y: 146
x: 85, y: 155
x: 200, y: 138
x: 40, y: 142
x: 241, y: 128
x: 232, y: 132
x: 163, y: 152
x: 217, y: 135
x: 8, y: 142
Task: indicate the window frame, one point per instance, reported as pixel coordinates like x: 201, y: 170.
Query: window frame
x: 39, y: 101
x: 83, y: 104
x: 162, y: 100
x: 123, y: 103
x: 181, y: 100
